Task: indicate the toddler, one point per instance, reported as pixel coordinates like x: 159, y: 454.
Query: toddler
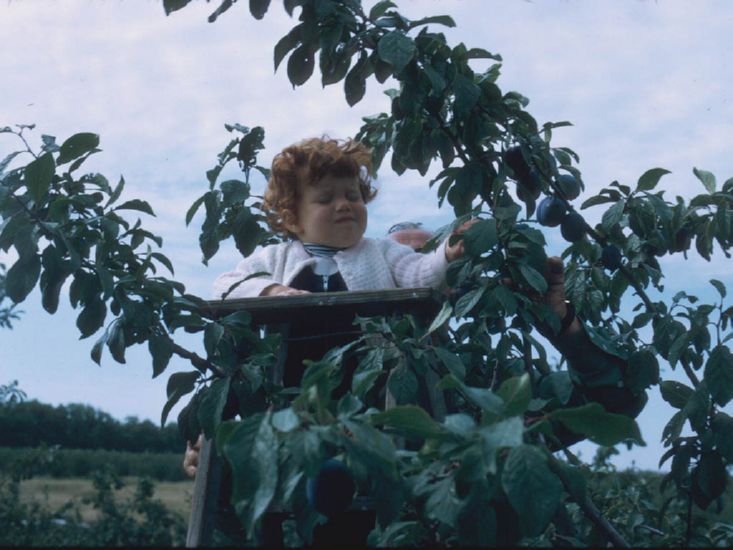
x: 317, y: 195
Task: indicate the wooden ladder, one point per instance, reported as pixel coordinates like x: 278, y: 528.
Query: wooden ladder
x: 278, y: 313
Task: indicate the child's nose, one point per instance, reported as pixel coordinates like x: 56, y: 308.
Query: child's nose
x: 343, y: 204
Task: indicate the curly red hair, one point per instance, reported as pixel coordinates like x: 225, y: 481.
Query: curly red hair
x: 306, y: 163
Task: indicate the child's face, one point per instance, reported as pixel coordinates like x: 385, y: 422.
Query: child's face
x: 331, y: 212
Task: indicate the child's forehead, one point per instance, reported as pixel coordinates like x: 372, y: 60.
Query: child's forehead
x: 329, y: 182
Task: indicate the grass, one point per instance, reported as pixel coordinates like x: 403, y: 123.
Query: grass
x: 55, y: 492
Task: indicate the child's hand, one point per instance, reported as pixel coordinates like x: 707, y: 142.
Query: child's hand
x: 455, y: 251
x: 281, y: 290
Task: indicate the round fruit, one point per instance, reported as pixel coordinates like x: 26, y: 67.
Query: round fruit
x: 682, y: 240
x: 569, y: 185
x: 332, y: 490
x: 551, y: 211
x: 529, y: 186
x: 572, y: 227
x: 515, y: 159
x: 611, y: 257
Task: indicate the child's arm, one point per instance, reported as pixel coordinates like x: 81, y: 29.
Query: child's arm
x: 411, y: 269
x: 252, y: 276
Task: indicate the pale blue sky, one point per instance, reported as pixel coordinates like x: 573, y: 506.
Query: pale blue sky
x: 646, y: 83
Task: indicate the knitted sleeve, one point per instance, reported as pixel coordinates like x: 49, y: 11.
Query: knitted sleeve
x: 237, y: 284
x: 411, y: 269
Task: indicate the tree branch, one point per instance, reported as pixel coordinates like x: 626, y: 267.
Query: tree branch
x: 591, y: 510
x: 196, y: 360
x: 594, y: 514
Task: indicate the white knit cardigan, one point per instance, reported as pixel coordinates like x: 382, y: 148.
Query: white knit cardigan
x: 371, y: 264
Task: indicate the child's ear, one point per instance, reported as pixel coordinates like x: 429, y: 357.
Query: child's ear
x: 290, y: 222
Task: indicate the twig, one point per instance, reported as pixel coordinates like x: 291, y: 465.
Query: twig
x: 197, y: 361
x: 594, y: 514
x: 589, y: 508
x: 690, y: 373
x: 527, y: 351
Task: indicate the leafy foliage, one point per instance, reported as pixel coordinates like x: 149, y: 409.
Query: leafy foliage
x: 484, y: 474
x: 137, y: 521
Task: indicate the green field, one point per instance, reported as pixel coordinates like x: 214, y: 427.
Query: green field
x: 54, y: 492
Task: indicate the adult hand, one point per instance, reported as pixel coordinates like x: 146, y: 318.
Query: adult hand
x: 456, y: 250
x: 281, y: 290
x: 191, y: 458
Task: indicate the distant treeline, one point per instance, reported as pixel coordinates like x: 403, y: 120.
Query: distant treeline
x: 75, y: 426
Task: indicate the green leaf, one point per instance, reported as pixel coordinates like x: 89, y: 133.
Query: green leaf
x: 402, y: 384
x: 516, y: 393
x: 446, y: 20
x: 6, y: 161
x: 22, y: 277
x: 76, y: 146
x: 719, y: 375
x: 650, y: 179
x: 174, y: 5
x: 211, y: 408
x: 709, y: 479
x: 723, y: 435
x: 534, y: 491
x: 194, y: 207
x: 643, y: 370
x: 136, y: 204
x: 300, y: 65
x: 466, y: 303
x: 212, y: 336
x: 452, y: 362
x: 252, y: 452
x: 533, y: 277
x: 355, y: 83
x: 483, y: 398
x: 258, y: 8
x: 443, y: 315
x: 116, y: 342
x: 480, y: 53
x: 161, y: 350
x: 97, y: 348
x: 720, y: 287
x: 410, y: 420
x: 707, y: 179
x: 233, y: 192
x: 612, y: 217
x: 467, y: 95
x: 676, y: 393
x: 116, y: 192
x: 91, y: 318
x: 285, y: 420
x: 224, y: 6
x: 481, y: 237
x: 286, y: 44
x: 380, y: 8
x: 498, y: 436
x: 598, y: 425
x: 38, y: 176
x: 179, y: 384
x: 397, y: 49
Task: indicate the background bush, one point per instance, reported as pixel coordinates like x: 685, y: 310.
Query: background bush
x: 84, y: 462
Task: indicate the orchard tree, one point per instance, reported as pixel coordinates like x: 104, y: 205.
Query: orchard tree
x: 488, y: 473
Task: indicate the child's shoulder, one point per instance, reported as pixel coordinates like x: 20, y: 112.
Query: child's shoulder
x: 278, y: 250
